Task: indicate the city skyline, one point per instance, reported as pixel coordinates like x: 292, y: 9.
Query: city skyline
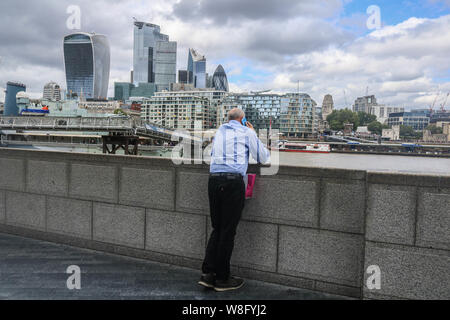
x: 345, y: 56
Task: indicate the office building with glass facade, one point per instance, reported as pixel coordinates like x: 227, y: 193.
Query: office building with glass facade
x: 87, y: 63
x: 365, y: 104
x: 52, y: 91
x: 12, y: 89
x: 261, y: 109
x: 183, y: 76
x: 154, y: 56
x: 292, y: 114
x: 220, y: 80
x: 382, y: 112
x: 197, y: 67
x: 417, y: 119
x: 124, y: 90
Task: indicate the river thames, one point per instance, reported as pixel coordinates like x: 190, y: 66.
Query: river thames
x: 380, y: 163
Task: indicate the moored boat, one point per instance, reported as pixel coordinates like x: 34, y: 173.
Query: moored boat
x: 303, y: 147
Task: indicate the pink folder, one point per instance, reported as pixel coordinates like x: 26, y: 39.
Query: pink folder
x: 250, y: 186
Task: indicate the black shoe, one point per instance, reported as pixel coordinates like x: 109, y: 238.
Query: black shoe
x: 231, y: 284
x: 207, y: 280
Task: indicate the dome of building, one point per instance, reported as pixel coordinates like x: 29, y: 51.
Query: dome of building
x: 22, y: 95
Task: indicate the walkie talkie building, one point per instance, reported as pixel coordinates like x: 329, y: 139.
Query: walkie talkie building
x: 87, y: 63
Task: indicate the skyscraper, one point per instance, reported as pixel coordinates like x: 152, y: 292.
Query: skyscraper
x: 87, y: 62
x: 12, y: 89
x: 52, y: 91
x: 183, y: 76
x: 197, y: 65
x: 154, y: 56
x: 365, y: 104
x: 219, y: 80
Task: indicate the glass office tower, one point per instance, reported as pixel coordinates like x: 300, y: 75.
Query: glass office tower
x: 197, y: 66
x: 12, y: 89
x: 219, y: 79
x: 154, y: 56
x: 87, y: 63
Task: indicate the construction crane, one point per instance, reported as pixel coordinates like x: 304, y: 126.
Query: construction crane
x: 445, y: 102
x: 434, y: 102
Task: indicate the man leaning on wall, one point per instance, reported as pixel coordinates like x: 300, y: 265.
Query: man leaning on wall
x: 233, y: 144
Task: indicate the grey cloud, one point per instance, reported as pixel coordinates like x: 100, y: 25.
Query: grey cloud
x: 300, y: 37
x: 233, y: 11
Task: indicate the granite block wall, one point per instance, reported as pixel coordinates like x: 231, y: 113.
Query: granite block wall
x: 319, y: 229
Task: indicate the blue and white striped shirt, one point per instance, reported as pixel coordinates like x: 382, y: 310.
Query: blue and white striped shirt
x: 233, y: 145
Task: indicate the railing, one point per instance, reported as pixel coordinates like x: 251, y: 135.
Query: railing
x: 68, y: 123
x: 97, y: 124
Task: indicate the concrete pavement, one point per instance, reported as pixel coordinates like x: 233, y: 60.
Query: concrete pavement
x: 32, y: 269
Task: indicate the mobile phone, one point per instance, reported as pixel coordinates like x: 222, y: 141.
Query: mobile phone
x: 244, y: 122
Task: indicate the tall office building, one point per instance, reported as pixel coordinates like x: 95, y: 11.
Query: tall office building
x: 382, y: 112
x: 87, y: 62
x: 183, y: 76
x: 52, y: 92
x: 209, y: 81
x: 219, y: 79
x: 12, y: 89
x: 197, y: 66
x: 327, y: 106
x: 154, y: 56
x: 365, y: 104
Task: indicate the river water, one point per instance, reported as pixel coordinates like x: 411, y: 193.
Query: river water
x: 380, y: 163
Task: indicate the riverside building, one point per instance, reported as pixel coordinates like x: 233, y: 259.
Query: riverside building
x: 185, y: 110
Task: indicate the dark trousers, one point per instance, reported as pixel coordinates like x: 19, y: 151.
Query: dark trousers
x: 226, y: 199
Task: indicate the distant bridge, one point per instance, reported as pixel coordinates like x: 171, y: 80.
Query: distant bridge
x: 350, y: 139
x: 120, y: 132
x: 113, y: 125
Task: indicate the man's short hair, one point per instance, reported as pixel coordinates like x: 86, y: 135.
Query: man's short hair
x: 235, y: 114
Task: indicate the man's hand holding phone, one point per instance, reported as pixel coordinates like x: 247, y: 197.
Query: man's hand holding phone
x: 249, y: 125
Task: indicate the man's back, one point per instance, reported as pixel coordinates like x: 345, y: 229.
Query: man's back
x: 233, y: 145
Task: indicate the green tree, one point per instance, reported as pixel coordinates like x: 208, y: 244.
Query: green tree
x: 365, y: 118
x: 408, y: 133
x: 120, y: 112
x: 435, y: 129
x: 375, y: 127
x: 338, y: 118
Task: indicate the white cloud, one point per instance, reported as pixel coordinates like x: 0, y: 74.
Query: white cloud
x: 398, y: 64
x: 279, y: 45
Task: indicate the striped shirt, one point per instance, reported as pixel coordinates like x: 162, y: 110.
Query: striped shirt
x: 232, y: 147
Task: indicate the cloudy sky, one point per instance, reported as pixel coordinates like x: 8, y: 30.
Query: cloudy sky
x: 321, y: 46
